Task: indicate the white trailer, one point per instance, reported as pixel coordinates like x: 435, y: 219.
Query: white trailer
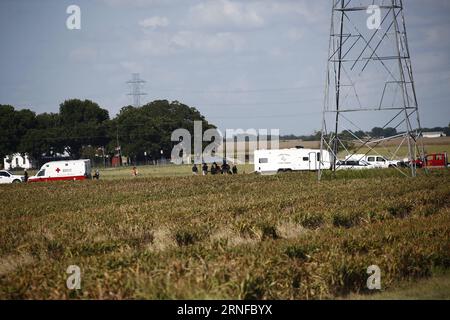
x: 63, y: 170
x: 295, y: 159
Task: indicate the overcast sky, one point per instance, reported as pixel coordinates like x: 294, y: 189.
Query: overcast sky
x: 243, y: 64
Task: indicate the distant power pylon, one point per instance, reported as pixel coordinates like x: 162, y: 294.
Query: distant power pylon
x: 136, y: 84
x: 370, y: 80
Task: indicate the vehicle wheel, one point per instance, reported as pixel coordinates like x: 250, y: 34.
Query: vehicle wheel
x: 16, y: 181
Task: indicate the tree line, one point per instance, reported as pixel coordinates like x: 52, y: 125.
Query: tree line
x: 376, y: 132
x: 81, y: 127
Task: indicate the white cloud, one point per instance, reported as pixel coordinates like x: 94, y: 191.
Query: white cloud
x: 224, y: 13
x: 154, y: 22
x: 160, y: 44
x: 211, y: 43
x: 134, y: 3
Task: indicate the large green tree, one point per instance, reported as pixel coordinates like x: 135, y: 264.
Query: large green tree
x: 81, y: 123
x: 149, y: 128
x: 43, y: 137
x: 14, y: 125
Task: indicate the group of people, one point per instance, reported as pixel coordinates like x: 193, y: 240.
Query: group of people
x: 215, y: 169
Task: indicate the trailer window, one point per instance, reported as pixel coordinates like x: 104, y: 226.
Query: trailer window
x: 263, y: 160
x: 41, y: 173
x: 305, y: 159
x: 318, y: 156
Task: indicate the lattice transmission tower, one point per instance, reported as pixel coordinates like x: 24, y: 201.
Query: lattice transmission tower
x: 136, y: 85
x: 370, y: 80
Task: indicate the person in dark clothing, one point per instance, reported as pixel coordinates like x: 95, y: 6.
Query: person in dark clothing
x: 194, y: 170
x: 97, y: 174
x: 25, y: 174
x: 234, y: 169
x: 205, y: 169
x: 225, y: 167
x: 214, y: 168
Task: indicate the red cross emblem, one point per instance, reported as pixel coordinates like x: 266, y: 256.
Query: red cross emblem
x: 58, y: 170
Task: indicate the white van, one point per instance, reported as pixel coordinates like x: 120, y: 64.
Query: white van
x: 63, y: 170
x: 295, y: 159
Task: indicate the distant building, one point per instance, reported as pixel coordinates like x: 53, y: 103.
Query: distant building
x: 436, y: 134
x: 16, y: 161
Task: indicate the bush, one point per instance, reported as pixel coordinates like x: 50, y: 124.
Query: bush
x: 346, y: 220
x: 310, y: 220
x: 189, y: 235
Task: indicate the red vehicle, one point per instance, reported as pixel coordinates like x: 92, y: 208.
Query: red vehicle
x: 436, y: 160
x: 433, y: 160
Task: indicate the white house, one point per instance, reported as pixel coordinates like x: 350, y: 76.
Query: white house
x: 17, y: 161
x: 437, y: 134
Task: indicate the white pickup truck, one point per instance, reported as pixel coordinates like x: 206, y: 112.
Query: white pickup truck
x: 8, y: 177
x: 376, y: 161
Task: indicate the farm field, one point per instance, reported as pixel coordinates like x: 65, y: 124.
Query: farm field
x: 159, y: 171
x: 436, y: 287
x: 245, y: 237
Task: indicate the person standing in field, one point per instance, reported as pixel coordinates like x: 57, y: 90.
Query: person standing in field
x: 225, y: 167
x: 194, y: 169
x: 25, y: 174
x: 134, y: 172
x: 234, y: 169
x: 214, y: 168
x: 205, y: 169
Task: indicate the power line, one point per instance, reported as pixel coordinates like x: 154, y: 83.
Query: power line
x: 240, y: 90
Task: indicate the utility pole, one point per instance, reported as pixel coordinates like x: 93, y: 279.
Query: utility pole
x: 118, y: 148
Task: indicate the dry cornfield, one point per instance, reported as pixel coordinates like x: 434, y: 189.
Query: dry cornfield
x: 244, y: 236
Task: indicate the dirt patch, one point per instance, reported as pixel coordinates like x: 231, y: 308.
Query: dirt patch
x: 10, y: 263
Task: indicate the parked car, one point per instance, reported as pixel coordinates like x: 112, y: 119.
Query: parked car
x: 376, y: 160
x: 353, y: 165
x: 8, y: 177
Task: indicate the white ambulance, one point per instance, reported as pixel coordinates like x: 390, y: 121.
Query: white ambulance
x: 294, y: 159
x: 63, y: 170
